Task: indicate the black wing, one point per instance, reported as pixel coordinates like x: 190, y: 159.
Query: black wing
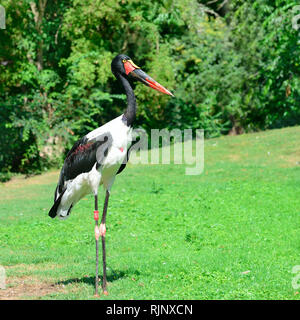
x: 83, y: 156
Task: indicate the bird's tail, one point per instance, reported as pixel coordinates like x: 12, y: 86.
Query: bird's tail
x: 53, y: 210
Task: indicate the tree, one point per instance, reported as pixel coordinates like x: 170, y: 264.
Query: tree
x: 233, y: 66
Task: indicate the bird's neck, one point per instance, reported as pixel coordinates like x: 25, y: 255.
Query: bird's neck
x: 130, y: 113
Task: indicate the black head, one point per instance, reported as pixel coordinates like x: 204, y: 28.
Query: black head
x: 117, y: 64
x: 124, y: 66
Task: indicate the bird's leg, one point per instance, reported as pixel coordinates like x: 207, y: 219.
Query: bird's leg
x: 97, y: 234
x: 102, y: 233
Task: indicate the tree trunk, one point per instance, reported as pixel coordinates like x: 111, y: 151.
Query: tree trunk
x: 38, y: 13
x: 236, y: 129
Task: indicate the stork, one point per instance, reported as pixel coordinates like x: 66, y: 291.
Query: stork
x: 99, y: 156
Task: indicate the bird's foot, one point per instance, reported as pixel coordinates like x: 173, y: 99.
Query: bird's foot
x: 102, y: 230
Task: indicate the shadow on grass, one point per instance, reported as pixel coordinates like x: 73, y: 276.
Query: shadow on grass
x: 113, y: 276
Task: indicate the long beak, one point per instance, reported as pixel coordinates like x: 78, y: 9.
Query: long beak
x: 142, y: 76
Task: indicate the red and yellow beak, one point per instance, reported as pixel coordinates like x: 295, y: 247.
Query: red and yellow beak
x: 136, y: 73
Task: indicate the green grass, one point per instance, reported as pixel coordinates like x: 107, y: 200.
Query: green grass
x: 170, y: 236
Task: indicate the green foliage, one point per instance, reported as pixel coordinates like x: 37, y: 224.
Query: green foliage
x: 232, y: 68
x: 270, y: 49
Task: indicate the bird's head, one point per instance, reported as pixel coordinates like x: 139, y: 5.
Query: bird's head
x: 123, y: 65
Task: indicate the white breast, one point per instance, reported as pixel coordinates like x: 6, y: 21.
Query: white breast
x: 121, y: 139
x: 117, y: 128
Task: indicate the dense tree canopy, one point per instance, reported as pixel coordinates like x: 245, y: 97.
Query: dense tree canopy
x: 233, y: 65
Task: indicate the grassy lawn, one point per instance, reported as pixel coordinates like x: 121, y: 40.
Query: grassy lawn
x: 232, y: 232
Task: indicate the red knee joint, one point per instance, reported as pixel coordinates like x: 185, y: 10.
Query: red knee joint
x: 96, y: 215
x: 102, y: 230
x: 97, y: 233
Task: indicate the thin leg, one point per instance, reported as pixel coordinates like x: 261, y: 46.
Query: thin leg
x: 102, y: 233
x: 97, y: 234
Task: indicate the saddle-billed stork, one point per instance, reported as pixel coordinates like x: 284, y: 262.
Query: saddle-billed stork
x: 100, y: 155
